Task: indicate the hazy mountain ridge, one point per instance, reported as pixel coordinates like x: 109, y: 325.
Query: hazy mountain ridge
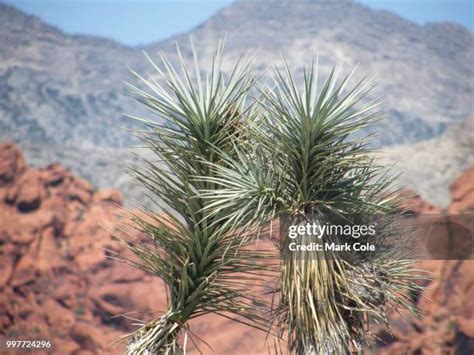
x: 425, y: 92
x: 62, y: 96
x: 60, y: 89
x: 64, y: 89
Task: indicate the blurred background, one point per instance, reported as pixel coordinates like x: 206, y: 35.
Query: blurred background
x: 64, y: 145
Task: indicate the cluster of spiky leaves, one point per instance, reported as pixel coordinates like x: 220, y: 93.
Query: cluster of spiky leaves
x: 201, y: 258
x: 224, y: 168
x: 302, y: 161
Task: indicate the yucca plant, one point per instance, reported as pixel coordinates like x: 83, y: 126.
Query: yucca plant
x: 302, y: 162
x: 201, y: 258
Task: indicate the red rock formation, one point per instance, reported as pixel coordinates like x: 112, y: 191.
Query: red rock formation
x: 462, y: 192
x: 415, y: 205
x: 57, y: 284
x: 12, y: 163
x: 446, y: 325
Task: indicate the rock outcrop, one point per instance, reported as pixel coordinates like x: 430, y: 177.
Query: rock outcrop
x: 55, y: 280
x: 57, y: 284
x: 462, y: 192
x: 446, y: 323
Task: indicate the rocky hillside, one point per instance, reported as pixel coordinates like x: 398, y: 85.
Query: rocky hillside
x: 64, y: 89
x: 56, y: 282
x: 60, y: 89
x: 424, y: 72
x: 62, y: 96
x: 429, y: 166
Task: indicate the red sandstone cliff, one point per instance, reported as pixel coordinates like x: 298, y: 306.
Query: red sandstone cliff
x: 57, y: 284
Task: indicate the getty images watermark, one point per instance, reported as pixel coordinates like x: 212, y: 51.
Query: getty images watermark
x: 309, y: 237
x: 429, y: 237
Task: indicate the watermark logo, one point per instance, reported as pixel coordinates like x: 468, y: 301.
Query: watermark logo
x: 429, y: 237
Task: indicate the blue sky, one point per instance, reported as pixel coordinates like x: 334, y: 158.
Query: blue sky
x: 136, y: 22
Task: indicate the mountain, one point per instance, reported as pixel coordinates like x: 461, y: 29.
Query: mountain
x: 425, y: 73
x: 60, y: 89
x: 62, y: 96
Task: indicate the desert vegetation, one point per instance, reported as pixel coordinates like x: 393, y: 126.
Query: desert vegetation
x: 234, y: 156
